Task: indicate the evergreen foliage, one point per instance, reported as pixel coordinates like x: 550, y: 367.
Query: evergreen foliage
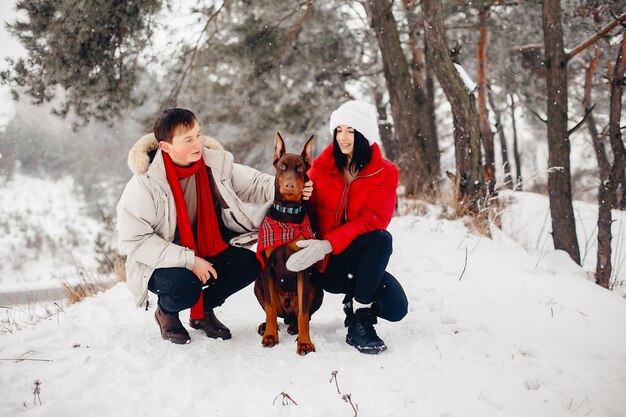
x: 274, y: 65
x: 88, y: 48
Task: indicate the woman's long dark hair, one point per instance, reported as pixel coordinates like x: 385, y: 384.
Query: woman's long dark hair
x: 361, y: 153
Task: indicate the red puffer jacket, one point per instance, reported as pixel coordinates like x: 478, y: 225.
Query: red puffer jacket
x: 341, y: 212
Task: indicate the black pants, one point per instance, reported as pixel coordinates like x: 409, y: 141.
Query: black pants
x: 359, y: 272
x: 179, y: 288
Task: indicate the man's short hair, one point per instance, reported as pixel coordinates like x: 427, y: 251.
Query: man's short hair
x: 170, y: 121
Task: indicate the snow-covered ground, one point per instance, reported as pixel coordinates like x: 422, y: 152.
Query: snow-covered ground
x: 526, y: 219
x: 493, y: 330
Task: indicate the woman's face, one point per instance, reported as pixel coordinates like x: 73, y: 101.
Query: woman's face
x: 345, y: 139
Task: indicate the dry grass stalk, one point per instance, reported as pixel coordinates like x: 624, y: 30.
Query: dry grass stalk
x: 77, y: 292
x: 119, y: 268
x: 37, y: 392
x: 286, y: 400
x: 346, y: 397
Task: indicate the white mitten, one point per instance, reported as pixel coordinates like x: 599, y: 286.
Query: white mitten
x: 312, y: 251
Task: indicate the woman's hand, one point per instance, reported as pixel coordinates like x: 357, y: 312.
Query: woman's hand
x: 307, y: 190
x: 312, y: 251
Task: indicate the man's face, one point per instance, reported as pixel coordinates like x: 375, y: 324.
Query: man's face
x: 186, y: 147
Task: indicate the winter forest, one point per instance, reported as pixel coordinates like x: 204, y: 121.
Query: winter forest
x: 504, y: 118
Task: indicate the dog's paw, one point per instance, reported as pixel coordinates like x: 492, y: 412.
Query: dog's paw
x: 305, y: 347
x: 270, y: 340
x: 261, y: 329
x: 293, y: 328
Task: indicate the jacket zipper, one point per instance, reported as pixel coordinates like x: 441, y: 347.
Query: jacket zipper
x: 166, y: 207
x: 232, y: 215
x: 345, y: 208
x: 345, y: 189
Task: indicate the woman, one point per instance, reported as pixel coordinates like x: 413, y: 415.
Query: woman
x: 351, y: 206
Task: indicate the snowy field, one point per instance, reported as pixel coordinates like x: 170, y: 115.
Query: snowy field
x: 511, y: 331
x: 526, y: 219
x: 45, y: 235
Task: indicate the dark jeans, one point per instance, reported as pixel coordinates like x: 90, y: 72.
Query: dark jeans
x: 179, y: 288
x: 359, y: 272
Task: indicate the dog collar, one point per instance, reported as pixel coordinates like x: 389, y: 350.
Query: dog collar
x: 288, y: 210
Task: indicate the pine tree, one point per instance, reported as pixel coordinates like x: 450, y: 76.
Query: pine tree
x: 89, y: 49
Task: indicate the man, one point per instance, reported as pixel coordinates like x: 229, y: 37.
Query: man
x: 186, y: 200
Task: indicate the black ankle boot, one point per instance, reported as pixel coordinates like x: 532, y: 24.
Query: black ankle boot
x: 361, y: 333
x: 347, y: 309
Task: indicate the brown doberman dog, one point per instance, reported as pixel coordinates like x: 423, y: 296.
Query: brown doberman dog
x: 283, y: 293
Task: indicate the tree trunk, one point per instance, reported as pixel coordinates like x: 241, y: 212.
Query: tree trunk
x: 422, y: 80
x: 385, y: 128
x: 559, y: 179
x: 504, y: 149
x: 519, y: 183
x: 430, y: 105
x: 598, y: 145
x: 609, y: 186
x: 412, y: 163
x: 470, y: 174
x: 483, y: 112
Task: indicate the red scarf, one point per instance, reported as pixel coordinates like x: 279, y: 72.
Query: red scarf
x: 210, y: 241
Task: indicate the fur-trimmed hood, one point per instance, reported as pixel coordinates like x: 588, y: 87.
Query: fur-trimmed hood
x: 143, y: 151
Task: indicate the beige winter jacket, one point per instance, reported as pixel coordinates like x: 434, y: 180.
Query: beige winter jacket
x: 146, y: 212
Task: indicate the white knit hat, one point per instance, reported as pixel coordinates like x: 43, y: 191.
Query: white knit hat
x: 358, y: 115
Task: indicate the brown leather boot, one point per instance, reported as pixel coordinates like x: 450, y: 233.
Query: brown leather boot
x: 211, y: 326
x: 171, y: 327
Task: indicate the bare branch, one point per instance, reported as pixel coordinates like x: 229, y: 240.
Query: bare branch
x: 290, y: 37
x: 505, y: 3
x: 527, y: 47
x: 186, y: 71
x: 595, y: 38
x: 598, y: 145
x: 617, y: 17
x: 457, y: 26
x: 618, y: 20
x: 543, y: 119
x: 296, y: 10
x: 587, y: 113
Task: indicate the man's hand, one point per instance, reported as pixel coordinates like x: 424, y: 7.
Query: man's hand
x: 204, y: 270
x: 307, y: 190
x: 312, y: 251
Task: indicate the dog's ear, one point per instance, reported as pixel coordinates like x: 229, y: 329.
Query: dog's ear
x: 279, y: 149
x: 306, y: 151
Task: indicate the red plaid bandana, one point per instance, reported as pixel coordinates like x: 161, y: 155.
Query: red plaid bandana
x: 274, y: 233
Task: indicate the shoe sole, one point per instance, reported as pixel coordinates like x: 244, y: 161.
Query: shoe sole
x: 370, y: 350
x: 171, y: 339
x: 210, y: 334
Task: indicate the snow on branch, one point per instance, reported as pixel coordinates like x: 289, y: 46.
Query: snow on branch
x: 467, y: 80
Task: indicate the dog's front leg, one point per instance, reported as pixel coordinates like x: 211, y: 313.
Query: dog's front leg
x: 304, y: 340
x: 270, y: 337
